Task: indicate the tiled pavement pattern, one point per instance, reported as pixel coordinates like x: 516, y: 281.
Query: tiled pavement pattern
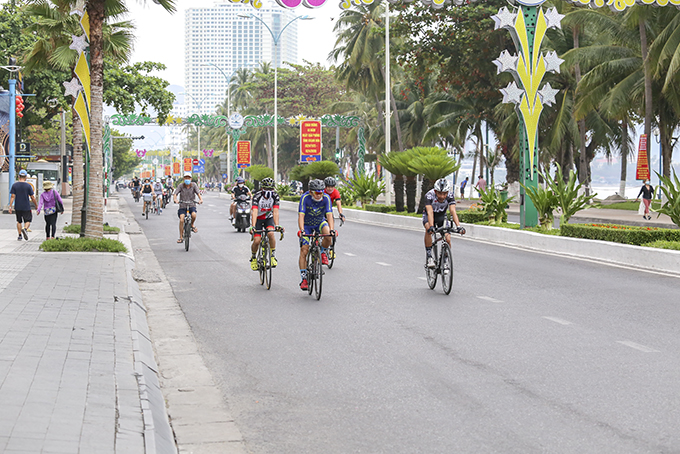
x: 67, y: 380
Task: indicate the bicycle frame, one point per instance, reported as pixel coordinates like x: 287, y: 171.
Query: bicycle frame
x: 443, y: 257
x: 264, y: 256
x: 314, y: 268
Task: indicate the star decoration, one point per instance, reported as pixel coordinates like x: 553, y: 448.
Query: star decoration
x: 547, y: 94
x: 72, y: 87
x: 552, y: 62
x: 512, y: 93
x: 79, y: 43
x: 79, y: 8
x: 553, y: 18
x: 504, y: 19
x: 506, y: 62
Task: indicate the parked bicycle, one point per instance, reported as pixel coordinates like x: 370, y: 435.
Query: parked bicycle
x: 264, y: 256
x: 314, y: 267
x: 443, y: 258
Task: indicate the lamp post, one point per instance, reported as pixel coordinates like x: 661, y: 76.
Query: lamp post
x: 276, y: 39
x: 228, y: 112
x: 658, y: 140
x: 199, y: 104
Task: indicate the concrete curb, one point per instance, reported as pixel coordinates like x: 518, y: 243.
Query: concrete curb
x: 661, y: 260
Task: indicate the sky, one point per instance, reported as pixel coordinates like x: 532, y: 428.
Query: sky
x: 160, y: 35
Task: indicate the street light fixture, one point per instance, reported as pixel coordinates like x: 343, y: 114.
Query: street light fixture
x: 276, y: 39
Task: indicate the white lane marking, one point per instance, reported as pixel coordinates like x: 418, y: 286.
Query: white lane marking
x: 383, y: 264
x: 558, y: 320
x: 640, y: 347
x: 349, y: 254
x: 423, y: 278
x: 488, y: 298
x: 211, y: 205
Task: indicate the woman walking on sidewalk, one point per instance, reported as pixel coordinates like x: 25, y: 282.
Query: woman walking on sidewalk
x: 48, y: 201
x: 647, y: 191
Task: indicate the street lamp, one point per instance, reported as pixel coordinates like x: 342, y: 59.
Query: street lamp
x: 228, y: 111
x: 276, y: 39
x: 658, y: 140
x: 199, y: 104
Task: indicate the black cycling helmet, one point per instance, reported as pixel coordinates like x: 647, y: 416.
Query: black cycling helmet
x: 317, y: 185
x: 330, y: 182
x: 267, y: 183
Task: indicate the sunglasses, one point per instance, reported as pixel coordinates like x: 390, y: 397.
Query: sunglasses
x: 318, y: 192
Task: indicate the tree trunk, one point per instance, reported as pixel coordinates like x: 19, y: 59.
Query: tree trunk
x: 78, y: 175
x: 95, y: 209
x: 582, y: 160
x: 624, y: 157
x: 411, y: 187
x: 398, y: 184
x: 426, y: 186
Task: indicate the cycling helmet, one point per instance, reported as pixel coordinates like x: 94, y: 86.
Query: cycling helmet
x: 330, y: 182
x: 240, y: 180
x: 317, y: 185
x: 267, y: 183
x: 442, y: 185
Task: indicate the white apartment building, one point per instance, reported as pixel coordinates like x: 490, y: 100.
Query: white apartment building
x: 219, y: 36
x: 176, y: 136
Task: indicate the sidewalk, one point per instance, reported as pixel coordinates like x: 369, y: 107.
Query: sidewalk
x: 77, y: 371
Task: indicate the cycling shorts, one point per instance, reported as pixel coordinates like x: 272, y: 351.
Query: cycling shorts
x: 262, y: 224
x: 182, y: 211
x: 310, y: 229
x: 439, y: 219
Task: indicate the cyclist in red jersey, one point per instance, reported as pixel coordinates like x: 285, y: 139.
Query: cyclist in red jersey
x: 334, y: 195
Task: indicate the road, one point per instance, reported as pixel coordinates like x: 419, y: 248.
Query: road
x: 530, y: 353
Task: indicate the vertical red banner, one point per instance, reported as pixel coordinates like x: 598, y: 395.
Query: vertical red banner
x: 642, y: 172
x: 243, y: 154
x: 187, y: 165
x: 310, y: 141
x: 168, y: 170
x: 176, y: 168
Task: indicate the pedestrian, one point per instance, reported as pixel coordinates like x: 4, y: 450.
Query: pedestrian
x: 462, y: 188
x: 647, y: 191
x: 480, y: 186
x: 48, y: 202
x: 22, y: 195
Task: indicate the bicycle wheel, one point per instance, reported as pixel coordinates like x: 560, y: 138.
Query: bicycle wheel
x: 446, y: 268
x: 432, y: 272
x: 310, y: 271
x: 267, y: 266
x: 331, y: 254
x: 187, y: 233
x: 318, y: 274
x: 260, y: 264
x: 146, y: 210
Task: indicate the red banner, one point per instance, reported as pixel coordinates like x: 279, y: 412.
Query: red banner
x: 243, y: 154
x: 187, y: 165
x: 176, y: 168
x: 642, y: 172
x: 168, y: 170
x: 310, y: 141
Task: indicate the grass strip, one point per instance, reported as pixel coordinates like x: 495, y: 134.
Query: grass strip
x: 82, y: 245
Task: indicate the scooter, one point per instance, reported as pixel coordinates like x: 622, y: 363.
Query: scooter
x: 242, y: 218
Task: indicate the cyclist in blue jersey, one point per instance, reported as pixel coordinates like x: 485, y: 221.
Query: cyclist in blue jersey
x: 314, y: 214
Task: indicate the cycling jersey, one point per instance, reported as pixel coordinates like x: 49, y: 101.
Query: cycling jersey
x: 314, y: 211
x: 438, y: 208
x: 265, y: 202
x: 158, y: 188
x: 334, y: 196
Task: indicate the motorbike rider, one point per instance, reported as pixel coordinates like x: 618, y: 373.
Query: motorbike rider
x: 239, y: 189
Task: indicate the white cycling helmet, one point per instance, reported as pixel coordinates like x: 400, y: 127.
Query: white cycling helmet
x: 442, y: 185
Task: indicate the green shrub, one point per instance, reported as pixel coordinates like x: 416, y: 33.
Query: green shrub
x: 347, y: 197
x: 291, y: 198
x: 494, y: 205
x: 619, y: 233
x: 259, y: 172
x: 75, y: 228
x: 472, y: 216
x: 83, y: 245
x: 671, y: 189
x: 545, y: 201
x: 367, y: 188
x: 381, y: 208
x: 674, y: 245
x: 282, y: 189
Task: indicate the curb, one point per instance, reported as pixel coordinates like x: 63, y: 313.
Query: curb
x: 650, y: 259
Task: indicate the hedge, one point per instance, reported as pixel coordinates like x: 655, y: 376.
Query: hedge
x: 472, y: 216
x: 619, y: 233
x: 291, y: 198
x: 380, y: 208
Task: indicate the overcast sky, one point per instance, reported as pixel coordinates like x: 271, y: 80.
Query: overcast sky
x: 160, y: 36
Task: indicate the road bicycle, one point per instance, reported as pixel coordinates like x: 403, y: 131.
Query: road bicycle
x: 331, y: 249
x: 264, y: 256
x: 443, y: 258
x: 314, y: 267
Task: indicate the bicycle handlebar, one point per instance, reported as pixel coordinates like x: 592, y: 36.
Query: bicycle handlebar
x: 278, y: 229
x: 449, y: 229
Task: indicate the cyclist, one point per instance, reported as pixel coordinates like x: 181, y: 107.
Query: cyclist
x: 238, y: 190
x: 314, y: 214
x: 168, y: 190
x: 158, y: 193
x: 265, y: 215
x: 147, y: 188
x: 135, y: 186
x: 187, y: 191
x: 334, y: 194
x: 437, y: 200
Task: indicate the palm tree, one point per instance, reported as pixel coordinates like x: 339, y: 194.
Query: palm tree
x: 98, y: 10
x: 53, y: 28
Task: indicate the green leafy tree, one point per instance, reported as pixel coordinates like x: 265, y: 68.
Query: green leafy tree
x: 432, y: 163
x: 124, y: 159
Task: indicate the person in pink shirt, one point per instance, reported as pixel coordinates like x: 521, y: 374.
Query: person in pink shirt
x: 48, y: 203
x: 480, y: 185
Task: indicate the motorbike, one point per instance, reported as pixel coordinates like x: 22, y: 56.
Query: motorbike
x: 242, y: 215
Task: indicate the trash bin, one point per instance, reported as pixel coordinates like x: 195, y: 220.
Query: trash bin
x: 504, y: 197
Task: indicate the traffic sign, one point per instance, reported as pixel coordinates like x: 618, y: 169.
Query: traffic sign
x: 195, y: 162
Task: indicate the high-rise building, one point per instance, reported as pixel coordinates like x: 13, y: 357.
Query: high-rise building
x: 219, y: 36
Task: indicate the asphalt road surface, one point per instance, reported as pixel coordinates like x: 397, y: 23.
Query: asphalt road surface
x: 531, y: 352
